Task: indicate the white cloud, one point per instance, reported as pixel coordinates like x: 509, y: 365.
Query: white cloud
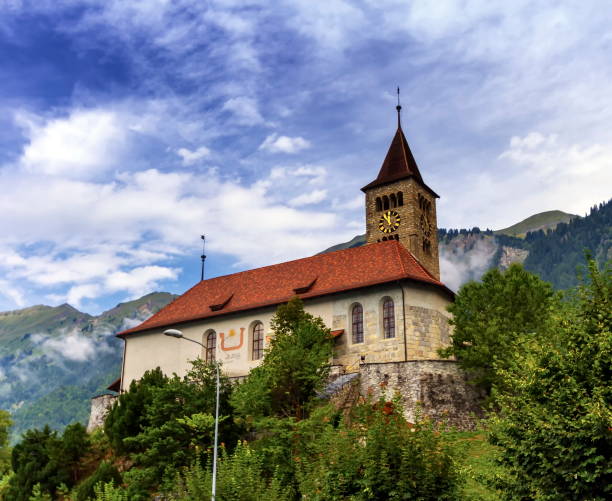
x: 314, y: 197
x: 77, y: 293
x: 191, y: 157
x: 139, y: 280
x: 245, y: 110
x: 284, y: 144
x: 13, y: 293
x: 537, y: 172
x: 72, y: 346
x: 80, y: 145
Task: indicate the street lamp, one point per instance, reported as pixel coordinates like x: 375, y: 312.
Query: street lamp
x: 178, y: 334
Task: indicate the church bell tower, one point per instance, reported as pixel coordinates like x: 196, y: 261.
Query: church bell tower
x: 400, y: 206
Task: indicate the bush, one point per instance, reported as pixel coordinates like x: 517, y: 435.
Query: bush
x: 105, y: 473
x: 108, y: 492
x: 378, y: 455
x: 241, y: 476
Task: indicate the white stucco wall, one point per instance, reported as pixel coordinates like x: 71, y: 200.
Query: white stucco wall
x: 145, y: 351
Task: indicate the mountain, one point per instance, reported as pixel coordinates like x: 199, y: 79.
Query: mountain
x: 54, y: 359
x: 552, y: 245
x: 542, y: 221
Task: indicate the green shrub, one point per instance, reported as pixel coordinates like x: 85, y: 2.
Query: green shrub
x: 240, y: 477
x: 378, y: 455
x: 105, y: 473
x: 108, y: 492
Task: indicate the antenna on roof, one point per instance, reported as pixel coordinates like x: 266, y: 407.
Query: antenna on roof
x: 203, y: 256
x: 399, y: 109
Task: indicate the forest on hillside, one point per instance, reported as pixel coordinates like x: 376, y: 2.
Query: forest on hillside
x: 555, y: 255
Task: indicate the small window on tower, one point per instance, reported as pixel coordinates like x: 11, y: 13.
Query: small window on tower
x: 393, y: 201
x: 400, y: 199
x: 378, y: 204
x: 385, y: 202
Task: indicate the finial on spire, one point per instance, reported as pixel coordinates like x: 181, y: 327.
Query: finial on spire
x: 399, y: 109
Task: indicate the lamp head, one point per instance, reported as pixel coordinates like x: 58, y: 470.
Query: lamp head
x: 173, y: 333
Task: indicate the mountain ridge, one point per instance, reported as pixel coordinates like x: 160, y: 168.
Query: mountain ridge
x: 54, y: 358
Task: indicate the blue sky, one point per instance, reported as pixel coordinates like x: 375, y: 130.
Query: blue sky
x: 128, y: 128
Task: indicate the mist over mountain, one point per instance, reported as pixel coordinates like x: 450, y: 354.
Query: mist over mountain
x: 54, y: 359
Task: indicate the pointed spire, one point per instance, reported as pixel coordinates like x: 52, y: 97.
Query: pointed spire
x: 399, y: 162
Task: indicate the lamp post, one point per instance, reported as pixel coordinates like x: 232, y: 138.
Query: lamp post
x: 178, y: 334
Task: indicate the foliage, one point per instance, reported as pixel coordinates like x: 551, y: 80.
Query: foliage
x: 127, y: 417
x: 295, y: 366
x: 491, y: 316
x: 165, y: 423
x: 241, y: 476
x: 108, y: 492
x: 39, y: 495
x: 377, y: 455
x: 43, y: 458
x: 554, y: 428
x: 5, y: 452
x: 104, y: 474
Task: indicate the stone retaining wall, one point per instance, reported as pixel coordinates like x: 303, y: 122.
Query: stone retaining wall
x: 438, y: 387
x: 100, y: 406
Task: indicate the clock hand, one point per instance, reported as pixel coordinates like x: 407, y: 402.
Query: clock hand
x: 387, y: 218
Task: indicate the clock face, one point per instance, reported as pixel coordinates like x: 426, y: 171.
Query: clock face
x: 425, y: 225
x: 389, y: 221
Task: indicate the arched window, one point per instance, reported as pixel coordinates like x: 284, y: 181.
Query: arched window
x: 385, y: 202
x: 258, y: 341
x: 400, y: 199
x: 378, y: 204
x: 393, y: 201
x: 388, y: 318
x: 211, y: 346
x: 357, y: 323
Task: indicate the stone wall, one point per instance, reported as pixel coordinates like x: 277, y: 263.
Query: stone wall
x: 100, y: 406
x: 438, y: 387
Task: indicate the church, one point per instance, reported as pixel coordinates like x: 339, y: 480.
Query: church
x: 383, y: 301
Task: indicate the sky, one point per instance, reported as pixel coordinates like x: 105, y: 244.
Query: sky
x: 130, y: 128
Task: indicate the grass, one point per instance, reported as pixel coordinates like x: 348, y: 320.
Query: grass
x: 479, y: 463
x: 543, y: 220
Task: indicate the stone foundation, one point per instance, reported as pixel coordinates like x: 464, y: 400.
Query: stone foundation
x: 438, y: 387
x: 100, y: 406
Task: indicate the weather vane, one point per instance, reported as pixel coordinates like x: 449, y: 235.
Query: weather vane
x: 398, y: 108
x: 203, y: 237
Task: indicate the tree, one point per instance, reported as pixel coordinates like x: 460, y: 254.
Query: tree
x: 161, y: 422
x: 295, y: 367
x: 554, y: 427
x: 5, y: 452
x: 127, y: 416
x: 489, y: 317
x: 36, y: 459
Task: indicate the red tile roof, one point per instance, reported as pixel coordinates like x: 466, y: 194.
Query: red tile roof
x: 398, y: 164
x: 318, y: 275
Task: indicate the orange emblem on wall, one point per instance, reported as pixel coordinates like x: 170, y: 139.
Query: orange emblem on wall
x: 231, y: 334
